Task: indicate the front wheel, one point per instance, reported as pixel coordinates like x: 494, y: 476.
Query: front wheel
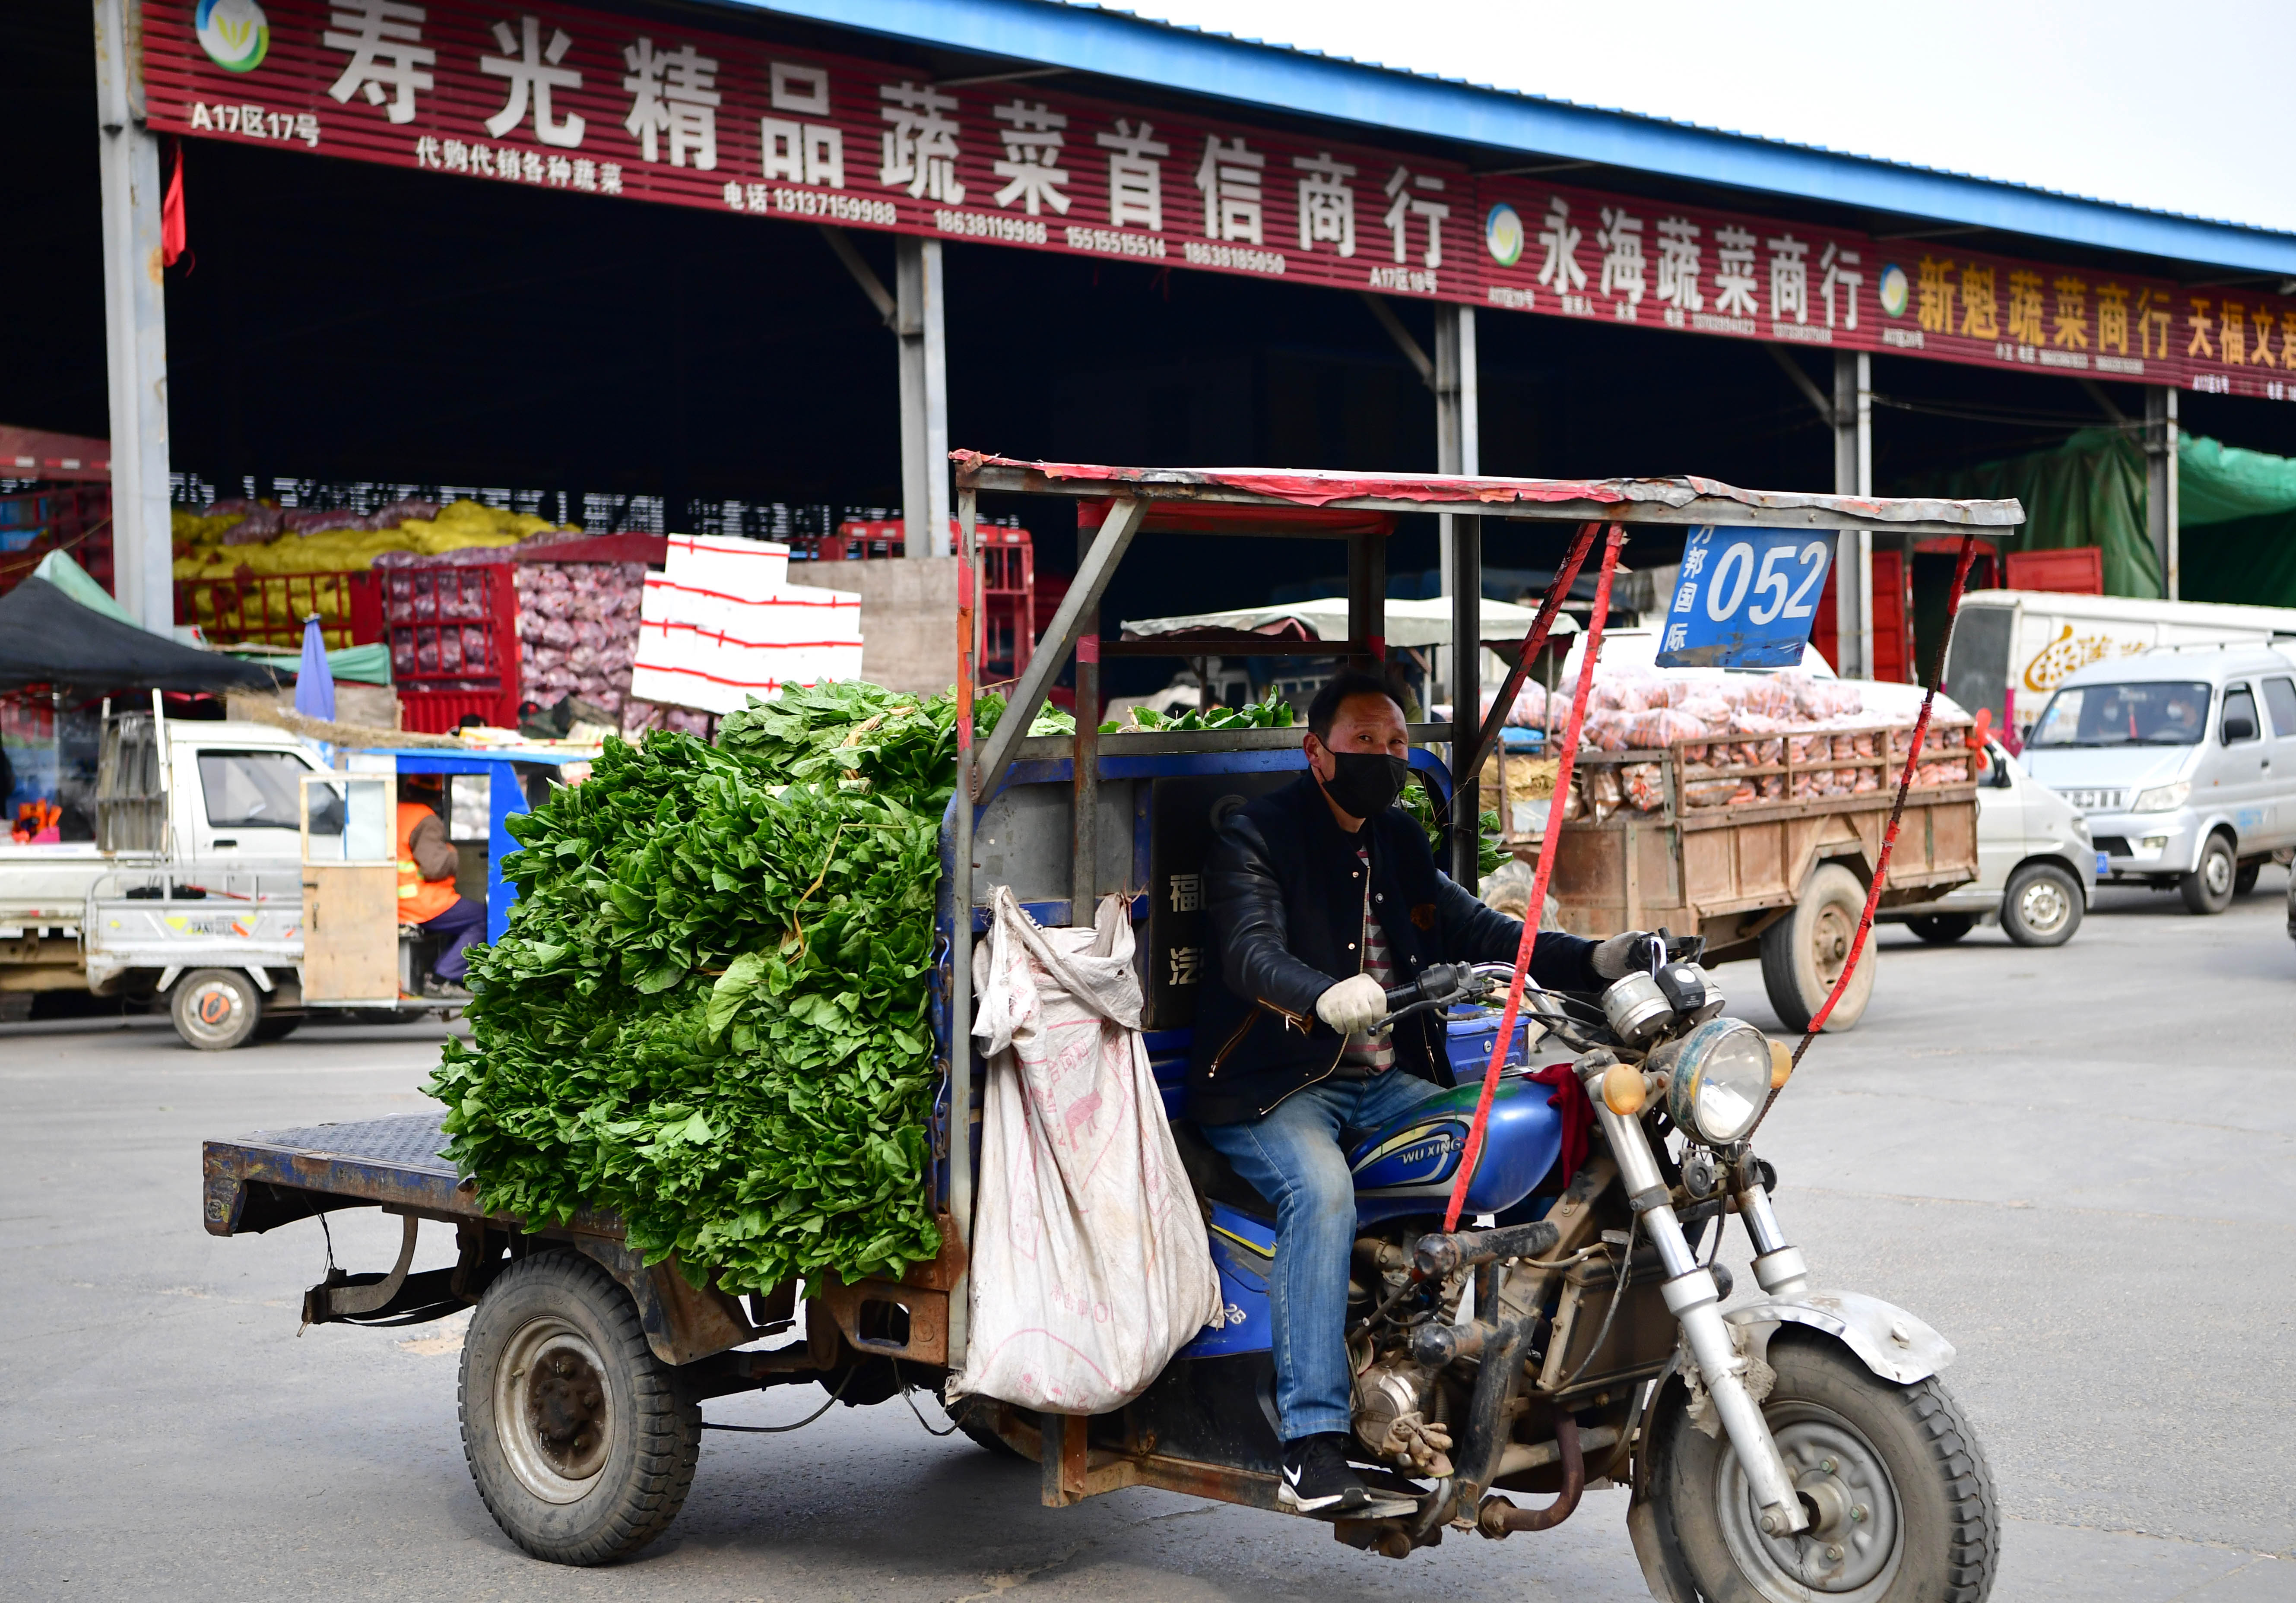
x: 2207, y: 888
x: 2042, y: 906
x: 1898, y: 1494
x: 581, y: 1441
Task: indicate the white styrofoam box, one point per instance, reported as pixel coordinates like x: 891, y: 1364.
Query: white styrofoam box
x: 671, y: 687
x: 788, y: 621
x: 728, y: 565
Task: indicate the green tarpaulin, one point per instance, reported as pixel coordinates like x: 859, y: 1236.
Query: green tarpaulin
x: 2237, y: 513
x: 76, y: 582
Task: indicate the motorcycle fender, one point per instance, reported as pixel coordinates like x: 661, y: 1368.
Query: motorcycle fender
x: 1886, y: 1338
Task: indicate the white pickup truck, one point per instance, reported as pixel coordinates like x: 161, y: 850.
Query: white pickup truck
x: 203, y: 796
x: 250, y: 886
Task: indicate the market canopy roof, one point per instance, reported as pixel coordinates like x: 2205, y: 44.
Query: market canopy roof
x: 1410, y: 625
x: 1683, y: 502
x: 48, y: 638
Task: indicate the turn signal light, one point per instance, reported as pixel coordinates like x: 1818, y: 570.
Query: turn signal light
x: 1781, y: 1063
x: 1624, y: 1090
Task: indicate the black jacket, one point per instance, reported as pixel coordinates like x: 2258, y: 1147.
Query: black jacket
x: 1285, y: 893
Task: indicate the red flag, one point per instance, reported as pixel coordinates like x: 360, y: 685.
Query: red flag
x: 171, y: 213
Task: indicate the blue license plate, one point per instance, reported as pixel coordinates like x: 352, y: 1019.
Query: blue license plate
x: 2104, y: 863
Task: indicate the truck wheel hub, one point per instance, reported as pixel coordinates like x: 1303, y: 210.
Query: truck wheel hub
x: 553, y: 1409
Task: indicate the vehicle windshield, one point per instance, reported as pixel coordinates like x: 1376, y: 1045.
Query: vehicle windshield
x: 2153, y: 712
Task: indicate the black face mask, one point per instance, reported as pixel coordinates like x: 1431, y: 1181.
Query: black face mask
x: 1365, y: 783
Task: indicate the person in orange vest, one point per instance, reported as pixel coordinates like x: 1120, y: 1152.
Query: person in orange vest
x: 426, y: 862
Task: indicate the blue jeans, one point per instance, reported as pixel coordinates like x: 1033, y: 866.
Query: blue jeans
x: 465, y: 924
x: 1292, y: 1158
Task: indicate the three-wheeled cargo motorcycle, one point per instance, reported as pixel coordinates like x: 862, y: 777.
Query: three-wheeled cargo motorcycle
x: 1574, y: 1328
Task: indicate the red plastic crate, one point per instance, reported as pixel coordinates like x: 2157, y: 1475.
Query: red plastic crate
x: 268, y: 609
x: 1009, y: 605
x: 453, y: 630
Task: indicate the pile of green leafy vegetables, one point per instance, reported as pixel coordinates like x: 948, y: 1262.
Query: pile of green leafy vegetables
x: 709, y: 1011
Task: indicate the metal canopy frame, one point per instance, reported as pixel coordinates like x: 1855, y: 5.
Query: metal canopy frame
x: 1296, y: 504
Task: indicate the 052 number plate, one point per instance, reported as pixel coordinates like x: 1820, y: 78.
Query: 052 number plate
x: 1746, y: 598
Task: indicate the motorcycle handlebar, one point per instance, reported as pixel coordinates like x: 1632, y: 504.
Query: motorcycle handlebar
x: 1441, y: 986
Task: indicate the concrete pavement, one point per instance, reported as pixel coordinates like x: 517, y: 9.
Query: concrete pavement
x: 2080, y: 1164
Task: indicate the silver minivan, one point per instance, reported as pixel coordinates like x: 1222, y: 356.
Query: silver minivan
x: 2183, y: 760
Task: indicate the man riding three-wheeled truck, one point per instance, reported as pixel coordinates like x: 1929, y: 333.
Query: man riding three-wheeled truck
x: 1464, y: 1185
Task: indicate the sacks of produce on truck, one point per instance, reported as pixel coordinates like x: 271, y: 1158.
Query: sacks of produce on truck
x: 708, y: 1013
x: 1739, y: 739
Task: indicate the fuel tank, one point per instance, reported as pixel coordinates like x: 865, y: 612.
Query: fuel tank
x: 1408, y: 1167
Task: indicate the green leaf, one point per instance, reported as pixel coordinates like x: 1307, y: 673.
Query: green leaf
x: 734, y: 988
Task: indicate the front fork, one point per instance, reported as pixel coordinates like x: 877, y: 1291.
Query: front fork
x: 1696, y: 1302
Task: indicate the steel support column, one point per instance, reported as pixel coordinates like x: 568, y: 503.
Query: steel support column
x: 1464, y: 541
x: 134, y: 320
x: 1084, y: 863
x: 2160, y: 481
x: 1853, y: 475
x: 1458, y: 447
x: 919, y: 321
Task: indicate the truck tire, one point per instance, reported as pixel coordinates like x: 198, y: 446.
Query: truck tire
x: 581, y: 1441
x: 1942, y: 928
x: 2245, y: 881
x: 215, y: 1010
x: 1893, y: 1474
x: 2209, y: 888
x: 2042, y: 906
x: 1803, y: 952
x: 278, y: 1028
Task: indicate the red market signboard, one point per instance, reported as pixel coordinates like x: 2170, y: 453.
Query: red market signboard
x: 619, y: 108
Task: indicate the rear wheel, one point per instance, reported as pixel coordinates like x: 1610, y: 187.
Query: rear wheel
x: 2042, y: 906
x: 2245, y: 881
x: 1804, y: 954
x: 2208, y: 887
x: 581, y: 1441
x: 215, y: 1010
x: 1942, y: 928
x: 1897, y: 1490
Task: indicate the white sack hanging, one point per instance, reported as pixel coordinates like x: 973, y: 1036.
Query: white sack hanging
x: 1089, y: 1263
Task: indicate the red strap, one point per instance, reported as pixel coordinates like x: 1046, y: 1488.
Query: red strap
x: 1546, y: 850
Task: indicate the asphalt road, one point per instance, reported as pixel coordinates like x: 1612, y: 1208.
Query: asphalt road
x: 2080, y: 1164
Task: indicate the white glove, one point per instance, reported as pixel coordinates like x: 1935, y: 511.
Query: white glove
x: 1614, y: 957
x: 1353, y: 1004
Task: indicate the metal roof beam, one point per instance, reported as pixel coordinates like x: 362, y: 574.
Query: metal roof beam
x: 1396, y: 331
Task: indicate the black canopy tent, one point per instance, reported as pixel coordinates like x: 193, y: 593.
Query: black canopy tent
x: 47, y: 638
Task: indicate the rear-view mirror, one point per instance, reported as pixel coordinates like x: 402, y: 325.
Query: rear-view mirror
x: 2237, y: 729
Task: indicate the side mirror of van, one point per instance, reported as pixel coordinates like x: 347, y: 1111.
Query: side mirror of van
x: 2238, y: 729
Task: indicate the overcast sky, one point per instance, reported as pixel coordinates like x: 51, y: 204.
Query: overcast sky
x: 2181, y: 107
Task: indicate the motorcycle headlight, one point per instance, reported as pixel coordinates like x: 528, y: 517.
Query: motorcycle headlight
x: 1720, y: 1079
x: 2163, y: 799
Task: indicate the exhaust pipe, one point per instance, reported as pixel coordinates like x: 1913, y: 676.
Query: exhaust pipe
x: 1500, y: 1518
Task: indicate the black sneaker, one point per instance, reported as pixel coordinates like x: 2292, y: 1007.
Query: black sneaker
x: 1317, y: 1480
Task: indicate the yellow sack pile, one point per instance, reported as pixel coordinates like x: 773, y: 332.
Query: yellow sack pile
x: 225, y: 614
x: 463, y: 523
